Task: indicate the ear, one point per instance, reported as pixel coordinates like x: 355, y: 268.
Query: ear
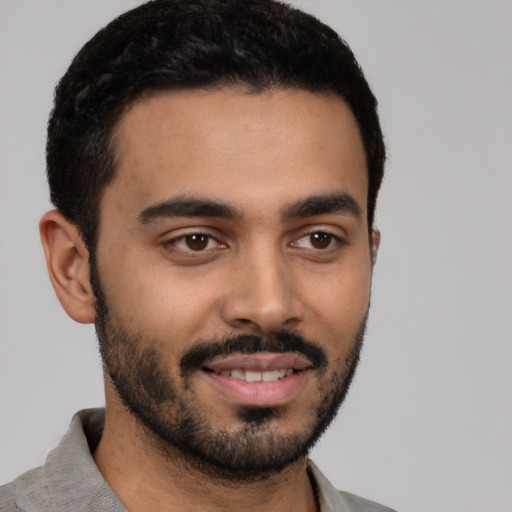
x: 67, y: 260
x: 374, y: 244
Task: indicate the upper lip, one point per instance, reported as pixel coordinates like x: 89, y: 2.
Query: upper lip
x: 259, y: 362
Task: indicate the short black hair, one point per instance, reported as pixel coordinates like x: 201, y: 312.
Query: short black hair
x: 192, y: 44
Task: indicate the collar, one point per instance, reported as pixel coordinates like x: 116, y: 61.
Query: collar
x: 74, y: 482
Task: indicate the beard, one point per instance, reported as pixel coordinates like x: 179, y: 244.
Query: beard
x: 174, y: 418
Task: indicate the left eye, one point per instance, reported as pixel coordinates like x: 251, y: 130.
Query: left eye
x: 318, y: 240
x: 195, y: 242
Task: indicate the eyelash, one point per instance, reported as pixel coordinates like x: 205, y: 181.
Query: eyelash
x: 338, y: 241
x: 333, y: 238
x: 174, y: 242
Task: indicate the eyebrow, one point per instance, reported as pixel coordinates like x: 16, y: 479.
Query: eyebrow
x: 183, y: 206
x: 321, y: 205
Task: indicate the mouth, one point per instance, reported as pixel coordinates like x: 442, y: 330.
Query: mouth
x: 255, y: 376
x: 258, y: 380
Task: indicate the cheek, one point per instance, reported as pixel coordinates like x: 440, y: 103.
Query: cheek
x: 156, y: 299
x: 338, y: 314
x: 342, y: 297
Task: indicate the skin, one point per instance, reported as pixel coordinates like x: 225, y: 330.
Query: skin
x: 260, y: 272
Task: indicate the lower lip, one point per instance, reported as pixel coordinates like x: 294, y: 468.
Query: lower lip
x: 259, y: 394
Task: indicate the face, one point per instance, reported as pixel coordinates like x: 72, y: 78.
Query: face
x: 235, y: 266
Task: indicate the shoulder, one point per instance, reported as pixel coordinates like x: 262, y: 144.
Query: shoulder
x: 357, y: 504
x: 28, y: 493
x: 8, y: 498
x: 332, y: 500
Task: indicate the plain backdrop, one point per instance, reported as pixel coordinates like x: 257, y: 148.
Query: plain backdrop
x: 428, y: 422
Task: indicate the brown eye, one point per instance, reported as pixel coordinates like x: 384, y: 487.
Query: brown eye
x: 194, y: 247
x: 196, y: 242
x: 320, y: 240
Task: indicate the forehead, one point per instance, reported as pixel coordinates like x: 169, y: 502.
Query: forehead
x: 229, y: 143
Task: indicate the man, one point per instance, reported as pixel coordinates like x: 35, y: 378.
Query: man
x: 215, y: 166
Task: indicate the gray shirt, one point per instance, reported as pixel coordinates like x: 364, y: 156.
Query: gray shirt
x: 70, y: 480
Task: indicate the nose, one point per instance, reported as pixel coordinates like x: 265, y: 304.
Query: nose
x: 262, y: 295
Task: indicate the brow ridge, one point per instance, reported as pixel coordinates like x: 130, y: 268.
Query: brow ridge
x: 186, y: 206
x: 339, y: 202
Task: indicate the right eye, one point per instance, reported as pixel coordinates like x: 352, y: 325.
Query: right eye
x: 194, y: 242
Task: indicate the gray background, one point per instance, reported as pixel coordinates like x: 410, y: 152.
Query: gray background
x: 428, y: 423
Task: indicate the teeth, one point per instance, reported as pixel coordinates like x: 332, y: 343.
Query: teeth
x: 250, y: 376
x: 238, y: 374
x: 270, y: 376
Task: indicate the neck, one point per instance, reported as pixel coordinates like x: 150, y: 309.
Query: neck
x: 144, y: 478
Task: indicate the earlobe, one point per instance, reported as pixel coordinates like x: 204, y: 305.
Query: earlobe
x: 67, y: 260
x: 374, y: 244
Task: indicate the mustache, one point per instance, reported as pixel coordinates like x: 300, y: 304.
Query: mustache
x: 201, y: 353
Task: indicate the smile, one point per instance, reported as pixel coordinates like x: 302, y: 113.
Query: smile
x: 255, y: 376
x: 259, y: 380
